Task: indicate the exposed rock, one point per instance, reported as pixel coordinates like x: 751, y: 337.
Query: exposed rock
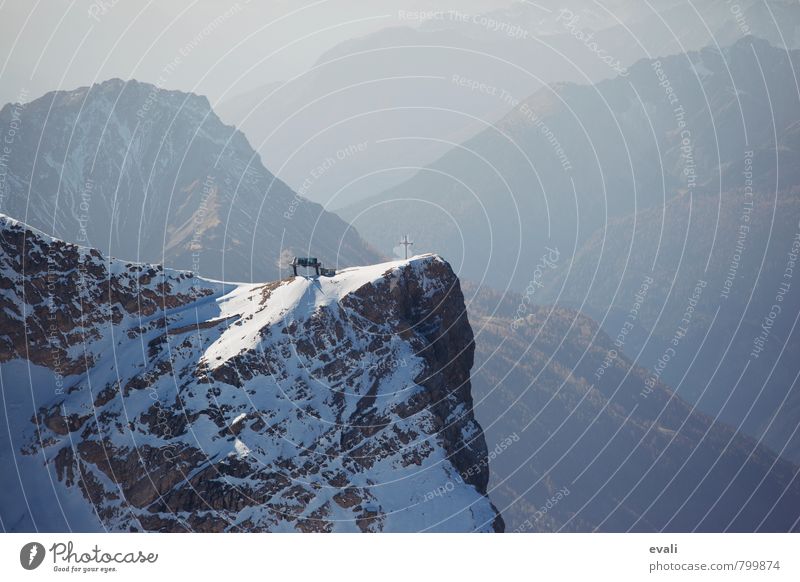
x: 332, y: 404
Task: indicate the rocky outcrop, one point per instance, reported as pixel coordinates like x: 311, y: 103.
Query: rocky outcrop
x: 331, y: 404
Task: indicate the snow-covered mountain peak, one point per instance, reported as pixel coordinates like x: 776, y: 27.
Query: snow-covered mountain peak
x: 257, y: 307
x: 149, y: 399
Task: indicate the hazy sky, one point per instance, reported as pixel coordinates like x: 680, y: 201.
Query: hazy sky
x: 208, y: 46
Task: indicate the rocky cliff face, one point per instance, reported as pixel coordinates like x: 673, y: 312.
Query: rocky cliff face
x: 140, y: 398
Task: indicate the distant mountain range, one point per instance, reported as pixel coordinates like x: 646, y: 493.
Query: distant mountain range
x: 569, y: 453
x: 435, y: 78
x: 572, y: 158
x: 148, y: 174
x: 723, y: 295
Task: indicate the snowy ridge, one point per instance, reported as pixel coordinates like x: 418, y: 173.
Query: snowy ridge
x: 147, y: 399
x: 298, y: 298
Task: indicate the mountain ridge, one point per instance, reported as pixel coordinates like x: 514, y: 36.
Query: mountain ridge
x: 154, y: 175
x: 571, y: 158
